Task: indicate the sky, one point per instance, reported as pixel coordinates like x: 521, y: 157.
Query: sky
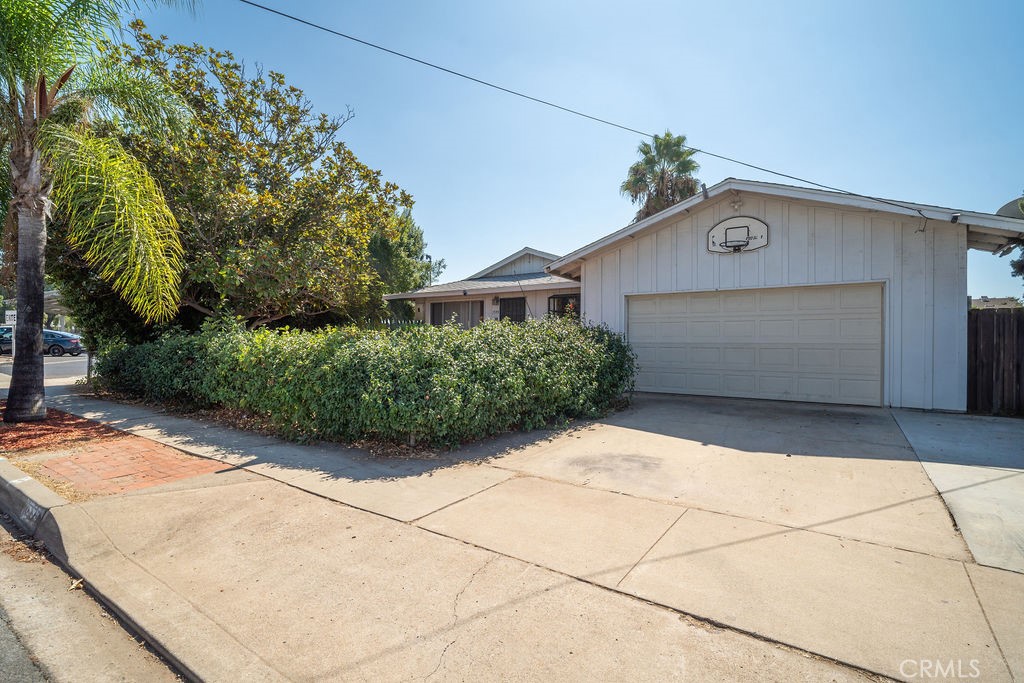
x: 918, y: 101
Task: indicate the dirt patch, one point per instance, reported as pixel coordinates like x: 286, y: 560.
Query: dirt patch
x: 20, y: 546
x: 62, y: 487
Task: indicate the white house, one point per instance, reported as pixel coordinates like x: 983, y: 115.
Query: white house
x: 516, y: 287
x: 754, y: 289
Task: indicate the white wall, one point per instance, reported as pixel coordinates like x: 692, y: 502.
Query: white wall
x: 923, y: 267
x: 527, y: 263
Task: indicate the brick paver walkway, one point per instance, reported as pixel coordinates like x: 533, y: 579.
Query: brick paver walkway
x: 125, y: 464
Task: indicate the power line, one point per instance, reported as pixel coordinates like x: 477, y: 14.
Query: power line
x: 568, y: 110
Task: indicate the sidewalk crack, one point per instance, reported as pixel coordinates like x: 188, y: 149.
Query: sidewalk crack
x: 455, y: 612
x: 648, y: 551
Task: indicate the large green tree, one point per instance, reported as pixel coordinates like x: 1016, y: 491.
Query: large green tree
x: 663, y: 176
x: 277, y: 214
x: 54, y: 91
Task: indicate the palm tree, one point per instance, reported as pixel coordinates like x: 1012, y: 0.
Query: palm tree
x: 53, y: 92
x: 663, y: 176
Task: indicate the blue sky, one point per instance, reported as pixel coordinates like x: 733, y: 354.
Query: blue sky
x: 920, y: 101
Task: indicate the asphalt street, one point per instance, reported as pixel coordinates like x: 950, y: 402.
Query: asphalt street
x: 15, y: 662
x: 55, y: 368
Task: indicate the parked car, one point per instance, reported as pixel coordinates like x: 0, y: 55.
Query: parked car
x: 55, y: 343
x: 58, y: 343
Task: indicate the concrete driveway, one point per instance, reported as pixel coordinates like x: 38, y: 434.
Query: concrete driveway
x: 811, y: 525
x: 815, y: 529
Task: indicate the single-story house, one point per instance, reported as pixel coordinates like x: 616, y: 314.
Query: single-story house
x: 761, y: 290
x: 516, y: 287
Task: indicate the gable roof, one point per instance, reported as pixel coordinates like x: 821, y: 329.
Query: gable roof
x: 525, y: 251
x: 985, y: 231
x: 499, y: 284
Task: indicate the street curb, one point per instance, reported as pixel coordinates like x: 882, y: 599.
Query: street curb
x: 24, y: 498
x: 197, y: 647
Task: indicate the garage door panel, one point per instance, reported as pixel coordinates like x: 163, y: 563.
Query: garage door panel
x: 644, y: 332
x: 776, y: 386
x: 704, y: 381
x: 643, y: 306
x: 858, y: 360
x: 739, y: 329
x: 859, y: 297
x: 817, y: 358
x: 860, y: 328
x: 777, y: 300
x: 816, y: 299
x: 777, y: 358
x: 739, y: 303
x: 817, y: 328
x: 705, y: 303
x: 816, y: 388
x: 697, y: 356
x: 781, y: 329
x: 738, y: 358
x: 739, y: 384
x: 797, y: 343
x: 704, y: 329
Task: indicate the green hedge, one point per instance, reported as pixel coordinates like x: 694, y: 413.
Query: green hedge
x: 439, y: 385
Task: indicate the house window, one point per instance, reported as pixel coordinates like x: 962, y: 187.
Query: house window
x: 513, y: 309
x: 564, y: 304
x: 466, y: 313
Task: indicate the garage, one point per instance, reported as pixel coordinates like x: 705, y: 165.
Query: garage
x: 754, y: 289
x: 819, y: 344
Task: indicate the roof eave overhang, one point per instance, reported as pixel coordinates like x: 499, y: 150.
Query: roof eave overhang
x: 481, y: 291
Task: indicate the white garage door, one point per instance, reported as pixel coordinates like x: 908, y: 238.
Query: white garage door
x: 794, y: 343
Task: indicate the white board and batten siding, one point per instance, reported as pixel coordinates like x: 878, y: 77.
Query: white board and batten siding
x: 527, y: 263
x: 918, y: 268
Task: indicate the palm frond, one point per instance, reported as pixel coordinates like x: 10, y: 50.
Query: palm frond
x: 129, y: 95
x: 117, y: 218
x: 45, y: 37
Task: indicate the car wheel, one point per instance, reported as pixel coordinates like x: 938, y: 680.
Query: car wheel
x: 56, y: 350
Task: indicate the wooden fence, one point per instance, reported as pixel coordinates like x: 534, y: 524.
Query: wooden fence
x: 995, y: 361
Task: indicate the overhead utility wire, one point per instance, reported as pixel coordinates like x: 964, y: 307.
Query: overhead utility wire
x: 568, y: 110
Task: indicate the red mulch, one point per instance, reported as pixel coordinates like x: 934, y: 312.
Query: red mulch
x: 57, y: 432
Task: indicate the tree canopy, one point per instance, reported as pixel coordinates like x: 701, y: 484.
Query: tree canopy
x: 278, y: 217
x: 663, y: 176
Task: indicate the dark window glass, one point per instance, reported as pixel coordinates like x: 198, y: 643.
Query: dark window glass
x: 564, y: 304
x: 513, y: 309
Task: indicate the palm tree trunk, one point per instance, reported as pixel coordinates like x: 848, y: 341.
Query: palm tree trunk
x: 26, y: 394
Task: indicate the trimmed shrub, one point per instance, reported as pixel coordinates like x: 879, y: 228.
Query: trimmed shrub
x: 439, y: 385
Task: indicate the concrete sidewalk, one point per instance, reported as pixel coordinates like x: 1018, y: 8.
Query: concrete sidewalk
x: 469, y: 565
x: 977, y: 464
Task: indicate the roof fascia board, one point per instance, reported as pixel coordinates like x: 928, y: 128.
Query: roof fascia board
x: 470, y: 293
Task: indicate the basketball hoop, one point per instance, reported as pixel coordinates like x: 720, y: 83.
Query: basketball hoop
x: 737, y: 234
x: 735, y: 245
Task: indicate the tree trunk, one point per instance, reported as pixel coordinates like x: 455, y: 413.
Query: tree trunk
x: 31, y: 190
x: 25, y: 399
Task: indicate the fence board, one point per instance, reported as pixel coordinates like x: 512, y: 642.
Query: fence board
x: 995, y: 361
